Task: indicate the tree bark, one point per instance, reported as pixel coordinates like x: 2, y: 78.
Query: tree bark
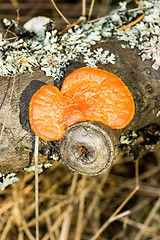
x: 143, y: 81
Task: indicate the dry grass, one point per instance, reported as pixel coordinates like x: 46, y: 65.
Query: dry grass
x: 72, y: 206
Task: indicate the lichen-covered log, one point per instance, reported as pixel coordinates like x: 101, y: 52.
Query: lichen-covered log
x: 142, y: 80
x: 131, y: 52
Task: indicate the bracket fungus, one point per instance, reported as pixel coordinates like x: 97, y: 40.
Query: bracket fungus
x: 87, y: 94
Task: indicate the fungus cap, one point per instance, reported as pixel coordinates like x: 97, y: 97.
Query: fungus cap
x: 86, y: 94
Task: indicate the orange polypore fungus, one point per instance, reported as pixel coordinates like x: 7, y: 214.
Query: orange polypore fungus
x: 86, y: 94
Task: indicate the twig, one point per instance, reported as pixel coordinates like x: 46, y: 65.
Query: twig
x: 7, y: 30
x: 105, y: 225
x: 81, y: 210
x: 83, y: 8
x: 36, y: 187
x: 70, y: 26
x: 18, y: 17
x: 60, y: 12
x: 130, y: 10
x: 132, y: 23
x: 121, y: 215
x: 91, y: 9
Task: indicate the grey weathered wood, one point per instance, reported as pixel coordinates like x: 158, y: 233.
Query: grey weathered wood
x: 16, y: 144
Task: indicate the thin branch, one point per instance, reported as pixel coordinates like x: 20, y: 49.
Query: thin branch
x: 83, y: 8
x: 132, y: 23
x: 70, y: 26
x: 123, y: 12
x: 81, y: 210
x: 68, y: 215
x: 91, y: 9
x: 36, y: 187
x: 60, y: 12
x: 121, y: 215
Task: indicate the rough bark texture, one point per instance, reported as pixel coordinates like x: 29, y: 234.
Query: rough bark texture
x: 16, y: 144
x: 143, y: 81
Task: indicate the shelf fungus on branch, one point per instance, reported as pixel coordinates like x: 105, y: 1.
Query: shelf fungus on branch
x: 87, y: 94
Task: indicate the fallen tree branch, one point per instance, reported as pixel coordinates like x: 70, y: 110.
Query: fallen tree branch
x: 88, y: 44
x: 142, y: 80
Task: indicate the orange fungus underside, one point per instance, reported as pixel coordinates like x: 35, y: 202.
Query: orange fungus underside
x: 86, y: 94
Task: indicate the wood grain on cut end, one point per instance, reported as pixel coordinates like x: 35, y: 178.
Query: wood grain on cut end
x: 88, y: 148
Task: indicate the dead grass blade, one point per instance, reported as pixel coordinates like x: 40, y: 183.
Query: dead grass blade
x: 81, y: 210
x: 68, y: 215
x: 83, y: 8
x: 91, y: 9
x: 36, y: 187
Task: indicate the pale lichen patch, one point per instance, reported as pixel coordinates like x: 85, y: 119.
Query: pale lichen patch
x: 53, y: 52
x: 7, y: 180
x: 145, y: 34
x: 125, y: 140
x: 40, y: 167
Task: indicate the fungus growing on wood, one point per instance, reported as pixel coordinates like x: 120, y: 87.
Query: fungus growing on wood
x: 86, y: 94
